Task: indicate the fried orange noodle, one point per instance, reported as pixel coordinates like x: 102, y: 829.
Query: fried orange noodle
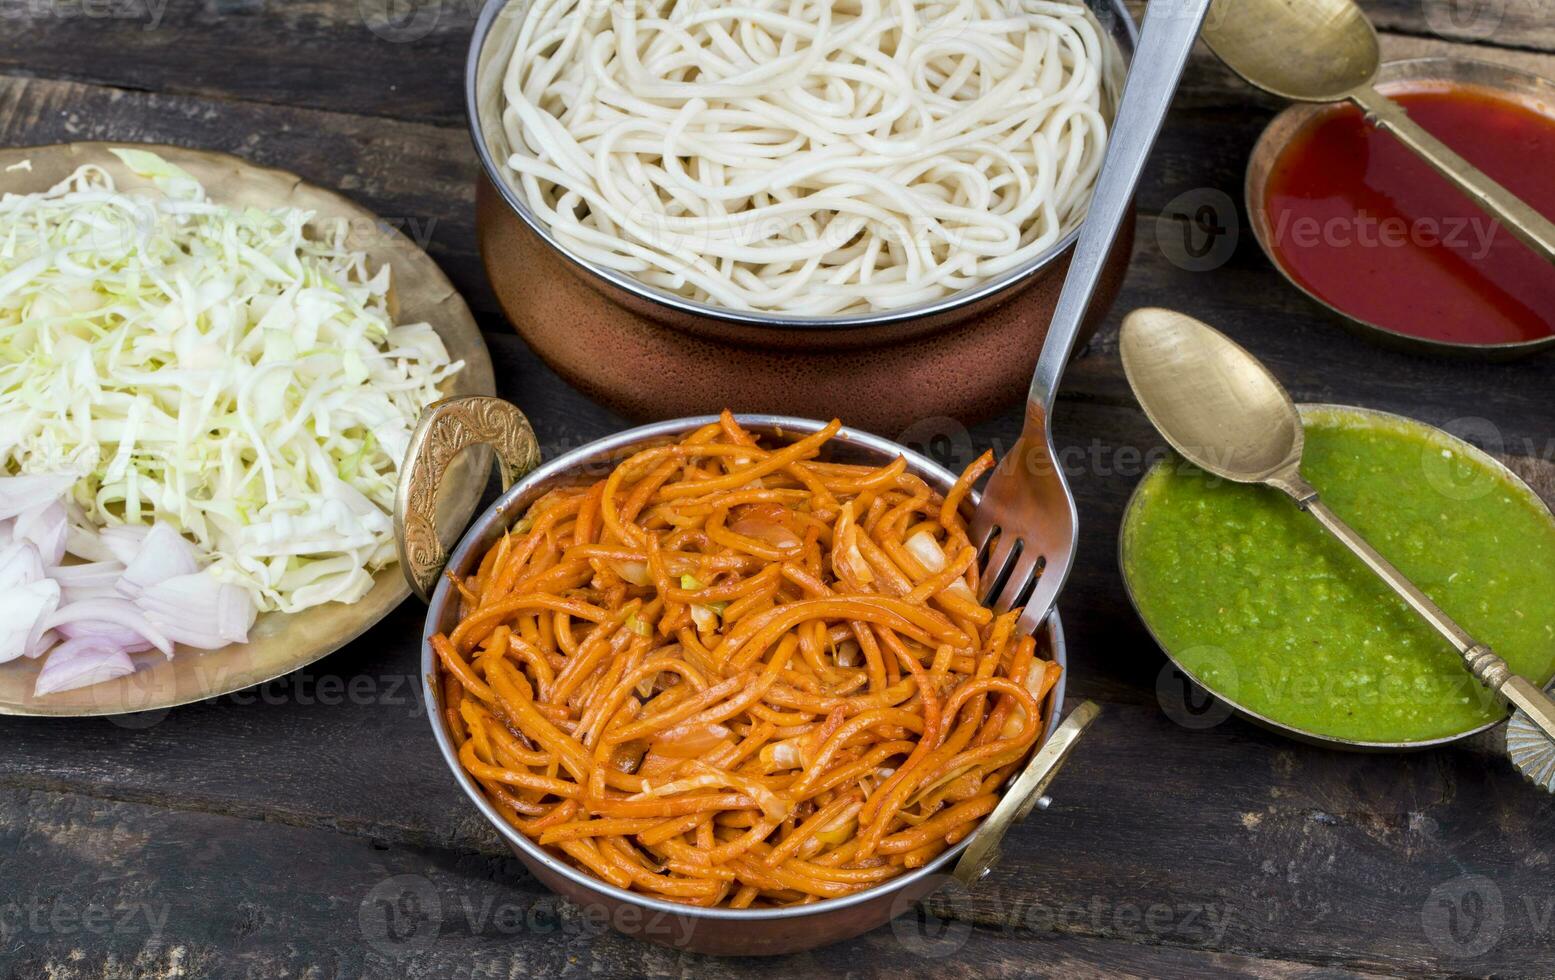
x: 731, y: 674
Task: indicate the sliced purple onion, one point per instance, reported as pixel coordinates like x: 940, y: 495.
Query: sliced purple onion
x: 92, y: 574
x: 82, y: 536
x: 120, y: 612
x: 79, y: 593
x: 163, y: 554
x: 20, y: 564
x: 199, y: 611
x: 122, y: 541
x: 19, y: 494
x: 121, y: 637
x: 24, y: 614
x: 82, y: 662
x: 44, y: 642
x: 45, y: 527
x: 140, y: 588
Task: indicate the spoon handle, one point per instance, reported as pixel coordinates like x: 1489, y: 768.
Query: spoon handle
x: 1512, y: 212
x: 1489, y: 669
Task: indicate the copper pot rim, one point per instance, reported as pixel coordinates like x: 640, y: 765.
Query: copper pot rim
x: 505, y: 509
x: 1123, y: 30
x: 1504, y: 81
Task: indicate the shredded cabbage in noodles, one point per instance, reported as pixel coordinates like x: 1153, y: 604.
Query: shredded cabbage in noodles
x: 213, y: 367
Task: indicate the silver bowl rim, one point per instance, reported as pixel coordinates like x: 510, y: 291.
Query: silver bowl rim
x: 1131, y: 512
x: 1124, y: 31
x: 502, y: 509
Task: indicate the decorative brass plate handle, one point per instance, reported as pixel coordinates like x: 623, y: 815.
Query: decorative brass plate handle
x: 446, y: 429
x: 1023, y: 794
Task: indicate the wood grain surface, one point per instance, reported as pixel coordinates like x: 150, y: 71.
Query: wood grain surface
x: 308, y: 828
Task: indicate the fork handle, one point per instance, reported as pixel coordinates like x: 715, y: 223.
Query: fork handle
x: 1165, y: 41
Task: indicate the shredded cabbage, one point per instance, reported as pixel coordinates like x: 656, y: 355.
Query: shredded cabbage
x: 212, y: 367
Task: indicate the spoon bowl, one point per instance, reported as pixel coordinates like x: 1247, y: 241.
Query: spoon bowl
x: 1212, y: 401
x: 1307, y: 51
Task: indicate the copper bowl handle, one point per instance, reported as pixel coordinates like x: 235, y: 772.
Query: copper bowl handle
x: 1026, y: 792
x: 446, y: 429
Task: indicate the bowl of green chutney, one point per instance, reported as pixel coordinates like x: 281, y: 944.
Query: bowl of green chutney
x: 1251, y: 599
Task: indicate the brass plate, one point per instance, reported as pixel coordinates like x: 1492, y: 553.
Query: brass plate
x: 279, y: 643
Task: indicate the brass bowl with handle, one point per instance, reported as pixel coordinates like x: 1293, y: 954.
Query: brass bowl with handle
x: 450, y: 426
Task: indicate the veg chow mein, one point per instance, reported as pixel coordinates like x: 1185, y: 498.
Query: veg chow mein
x: 733, y: 674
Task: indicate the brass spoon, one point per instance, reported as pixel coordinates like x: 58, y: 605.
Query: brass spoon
x: 1224, y: 412
x: 1327, y: 51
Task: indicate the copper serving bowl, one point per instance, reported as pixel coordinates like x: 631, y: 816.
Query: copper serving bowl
x: 720, y: 931
x: 651, y: 354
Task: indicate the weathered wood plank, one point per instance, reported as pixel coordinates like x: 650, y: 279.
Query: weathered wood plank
x: 99, y: 888
x: 1499, y: 24
x: 1339, y: 855
x: 372, y: 57
x: 406, y: 60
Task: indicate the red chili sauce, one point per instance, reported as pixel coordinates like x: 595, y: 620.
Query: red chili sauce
x: 1360, y: 221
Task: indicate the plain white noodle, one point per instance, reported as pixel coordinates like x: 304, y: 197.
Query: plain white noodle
x: 804, y: 156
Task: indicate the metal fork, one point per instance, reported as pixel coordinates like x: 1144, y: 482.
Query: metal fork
x: 1026, y: 525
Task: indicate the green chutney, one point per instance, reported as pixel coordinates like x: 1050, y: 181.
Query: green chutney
x: 1261, y: 606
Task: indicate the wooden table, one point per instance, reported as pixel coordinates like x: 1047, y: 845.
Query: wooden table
x: 309, y: 829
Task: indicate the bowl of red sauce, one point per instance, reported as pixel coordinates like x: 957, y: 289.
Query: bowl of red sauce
x: 1360, y: 224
